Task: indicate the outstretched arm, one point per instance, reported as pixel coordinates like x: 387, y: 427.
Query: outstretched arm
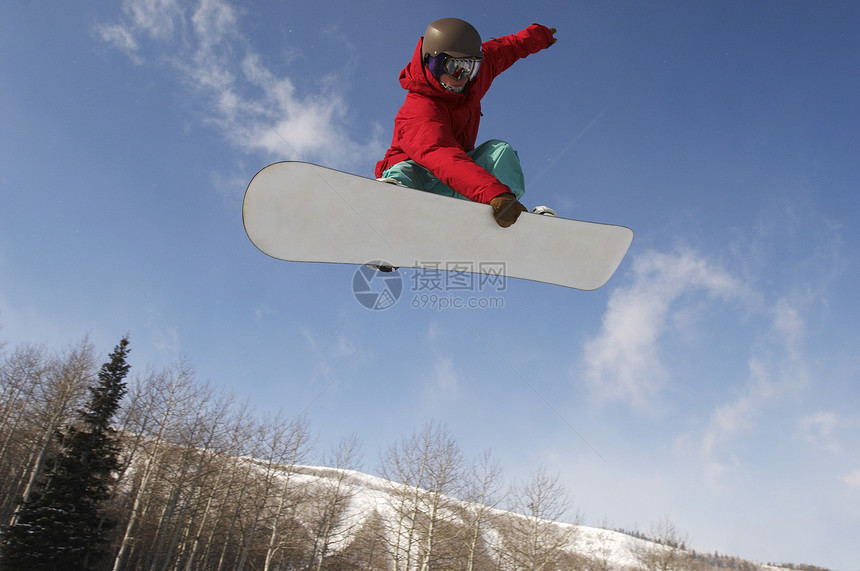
x: 501, y: 53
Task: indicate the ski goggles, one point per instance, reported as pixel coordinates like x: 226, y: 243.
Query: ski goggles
x: 460, y: 68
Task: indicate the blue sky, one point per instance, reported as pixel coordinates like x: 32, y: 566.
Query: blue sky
x: 714, y: 379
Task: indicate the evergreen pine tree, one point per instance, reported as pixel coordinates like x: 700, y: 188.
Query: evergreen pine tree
x: 62, y: 526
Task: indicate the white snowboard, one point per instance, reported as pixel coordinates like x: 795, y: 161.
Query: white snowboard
x: 302, y: 212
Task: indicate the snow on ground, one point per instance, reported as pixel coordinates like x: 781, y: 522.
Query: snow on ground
x: 373, y: 494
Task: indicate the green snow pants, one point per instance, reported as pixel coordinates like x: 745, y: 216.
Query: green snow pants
x: 496, y: 157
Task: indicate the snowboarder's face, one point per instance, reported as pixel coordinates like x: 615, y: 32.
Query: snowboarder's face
x: 454, y: 84
x: 458, y: 68
x: 454, y: 73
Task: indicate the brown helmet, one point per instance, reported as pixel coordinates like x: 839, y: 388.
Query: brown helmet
x: 451, y: 36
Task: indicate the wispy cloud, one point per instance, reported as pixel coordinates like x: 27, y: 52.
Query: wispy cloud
x: 443, y: 381
x: 818, y: 429
x: 623, y: 362
x: 626, y: 361
x: 777, y: 367
x: 830, y: 431
x: 250, y: 106
x: 792, y: 259
x: 852, y: 480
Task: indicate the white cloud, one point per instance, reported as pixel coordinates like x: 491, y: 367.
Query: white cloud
x: 626, y: 363
x: 853, y: 480
x: 444, y: 383
x: 727, y: 422
x: 776, y: 368
x: 157, y: 17
x: 347, y: 347
x: 166, y: 339
x: 214, y: 20
x: 623, y: 361
x: 250, y: 106
x: 830, y: 431
x: 121, y: 38
x: 819, y: 429
x: 332, y: 355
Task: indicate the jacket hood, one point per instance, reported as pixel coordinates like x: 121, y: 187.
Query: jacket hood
x: 417, y: 78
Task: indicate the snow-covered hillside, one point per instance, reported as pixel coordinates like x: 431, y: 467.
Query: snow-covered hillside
x: 410, y: 523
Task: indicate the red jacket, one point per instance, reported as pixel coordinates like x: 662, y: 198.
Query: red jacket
x: 436, y: 128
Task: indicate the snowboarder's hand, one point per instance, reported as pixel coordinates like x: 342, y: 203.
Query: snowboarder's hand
x: 553, y: 39
x: 506, y: 209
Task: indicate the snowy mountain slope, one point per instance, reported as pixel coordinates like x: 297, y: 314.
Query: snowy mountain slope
x: 596, y: 548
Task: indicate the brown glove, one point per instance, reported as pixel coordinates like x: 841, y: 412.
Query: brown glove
x: 506, y: 209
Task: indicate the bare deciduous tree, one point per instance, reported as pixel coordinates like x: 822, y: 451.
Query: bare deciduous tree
x: 367, y: 548
x: 52, y: 404
x: 294, y: 448
x: 21, y: 375
x: 425, y: 470
x: 482, y: 489
x: 166, y: 397
x: 225, y: 454
x: 331, y: 499
x: 667, y: 550
x: 531, y: 538
x: 599, y: 550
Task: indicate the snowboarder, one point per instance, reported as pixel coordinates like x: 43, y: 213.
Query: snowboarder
x: 433, y: 147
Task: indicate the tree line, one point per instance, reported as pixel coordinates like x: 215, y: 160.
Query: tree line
x: 107, y: 470
x: 185, y: 477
